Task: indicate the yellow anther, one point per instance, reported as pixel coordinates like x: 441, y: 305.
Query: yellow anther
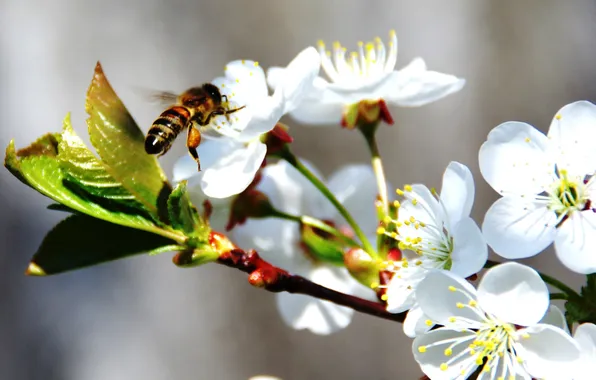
x: 398, y: 224
x: 519, y: 360
x: 558, y: 117
x: 444, y: 367
x: 414, y: 201
x: 256, y: 64
x: 393, y: 235
x: 526, y: 336
x: 459, y: 305
x: 448, y: 352
x: 380, y: 231
x: 407, y: 188
x: 387, y: 219
x: 527, y: 139
x: 250, y: 74
x: 452, y: 288
x: 226, y: 68
x: 407, y: 222
x: 418, y: 263
x: 378, y: 40
x: 472, y: 352
x: 243, y: 61
x: 473, y: 303
x: 237, y: 80
x: 452, y: 319
x: 486, y: 368
x: 374, y: 285
x: 399, y: 191
x: 360, y: 43
x: 321, y: 44
x: 223, y: 85
x: 370, y: 46
x: 428, y: 322
x: 422, y: 349
x: 433, y: 191
x: 396, y: 204
x: 412, y: 219
x: 479, y: 359
x: 384, y: 297
x: 392, y: 33
x: 422, y: 224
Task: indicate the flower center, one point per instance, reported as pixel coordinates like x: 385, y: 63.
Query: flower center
x: 427, y: 234
x: 567, y: 194
x: 489, y: 341
x: 371, y: 60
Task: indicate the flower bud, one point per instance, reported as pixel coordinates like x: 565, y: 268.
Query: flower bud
x: 250, y: 203
x: 321, y: 245
x: 276, y: 138
x: 361, y: 266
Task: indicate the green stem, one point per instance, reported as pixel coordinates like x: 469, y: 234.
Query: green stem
x: 316, y: 223
x: 548, y: 279
x: 377, y: 164
x: 287, y: 155
x: 558, y: 296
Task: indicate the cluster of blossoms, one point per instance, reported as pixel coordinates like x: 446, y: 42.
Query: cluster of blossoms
x: 429, y: 250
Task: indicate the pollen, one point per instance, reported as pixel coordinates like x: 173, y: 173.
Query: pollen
x: 396, y: 204
x: 256, y: 64
x: 444, y: 367
x: 226, y: 68
x: 321, y: 44
x: 452, y: 288
x: 407, y: 188
x: 250, y: 74
x: 399, y: 192
x: 448, y: 352
x: 422, y: 349
x: 558, y: 117
x: 528, y: 139
x: 428, y: 322
x: 384, y: 297
x: 452, y: 319
x: 459, y: 305
x: 472, y: 303
x: 387, y: 219
x: 381, y: 231
x: 243, y: 61
x: 237, y: 80
x: 414, y: 201
x: 374, y: 285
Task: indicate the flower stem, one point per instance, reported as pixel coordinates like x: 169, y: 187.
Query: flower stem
x: 369, y: 131
x: 264, y: 275
x: 287, y: 155
x: 548, y: 279
x: 319, y: 224
x: 558, y: 296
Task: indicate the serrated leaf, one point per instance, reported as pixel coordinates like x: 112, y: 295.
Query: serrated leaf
x: 120, y: 144
x: 86, y: 171
x: 80, y: 241
x: 183, y: 215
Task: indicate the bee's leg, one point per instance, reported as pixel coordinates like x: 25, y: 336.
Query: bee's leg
x: 193, y: 139
x: 225, y: 112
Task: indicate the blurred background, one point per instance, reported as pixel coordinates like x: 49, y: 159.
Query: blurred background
x: 145, y: 319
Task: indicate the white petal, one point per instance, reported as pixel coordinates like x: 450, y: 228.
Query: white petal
x: 233, y: 173
x: 249, y: 75
x: 416, y: 322
x: 575, y: 243
x: 185, y: 168
x: 265, y: 114
x: 585, y: 336
x: 439, y: 302
x: 516, y: 229
x: 469, y: 248
x: 548, y: 352
x: 320, y: 317
x: 210, y: 152
x: 275, y: 76
x: 356, y: 188
x: 555, y: 317
x: 431, y: 359
x: 573, y: 131
x: 514, y: 293
x: 298, y: 78
x: 401, y: 294
x: 457, y: 191
x: 514, y: 159
x: 414, y: 87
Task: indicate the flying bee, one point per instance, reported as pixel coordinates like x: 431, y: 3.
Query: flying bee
x: 195, y: 106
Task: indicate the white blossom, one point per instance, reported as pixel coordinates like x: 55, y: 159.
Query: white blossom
x: 367, y: 74
x: 496, y: 327
x: 547, y: 184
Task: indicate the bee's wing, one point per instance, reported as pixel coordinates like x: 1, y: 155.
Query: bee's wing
x: 161, y: 98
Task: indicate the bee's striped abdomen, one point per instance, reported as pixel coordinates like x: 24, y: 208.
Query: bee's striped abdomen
x: 164, y: 130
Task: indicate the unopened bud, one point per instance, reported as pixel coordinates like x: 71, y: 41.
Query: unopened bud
x: 361, y: 266
x: 366, y: 113
x: 321, y: 245
x: 277, y: 138
x: 220, y: 242
x: 250, y: 203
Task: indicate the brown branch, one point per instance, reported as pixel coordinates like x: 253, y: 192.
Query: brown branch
x: 264, y: 275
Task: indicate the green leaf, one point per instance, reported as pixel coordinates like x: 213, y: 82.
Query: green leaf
x: 85, y: 171
x: 47, y: 145
x: 325, y: 248
x: 80, y: 241
x: 120, y: 144
x: 184, y: 216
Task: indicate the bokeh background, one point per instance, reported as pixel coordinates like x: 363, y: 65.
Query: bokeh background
x: 145, y: 319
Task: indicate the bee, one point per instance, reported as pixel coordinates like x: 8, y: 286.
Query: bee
x: 195, y: 106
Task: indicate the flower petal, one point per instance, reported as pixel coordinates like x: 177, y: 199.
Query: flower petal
x: 320, y: 317
x: 515, y: 228
x: 355, y: 187
x: 469, y: 248
x: 431, y: 356
x: 514, y: 159
x: 265, y: 114
x: 233, y: 173
x: 573, y: 131
x: 514, y: 293
x: 439, y: 294
x: 249, y: 75
x: 401, y: 292
x: 555, y: 317
x: 412, y: 87
x: 298, y: 78
x: 575, y: 243
x: 548, y: 351
x: 457, y: 191
x: 585, y: 336
x: 416, y: 322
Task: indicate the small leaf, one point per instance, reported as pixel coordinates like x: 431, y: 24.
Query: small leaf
x: 120, y: 144
x: 184, y: 216
x: 80, y: 241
